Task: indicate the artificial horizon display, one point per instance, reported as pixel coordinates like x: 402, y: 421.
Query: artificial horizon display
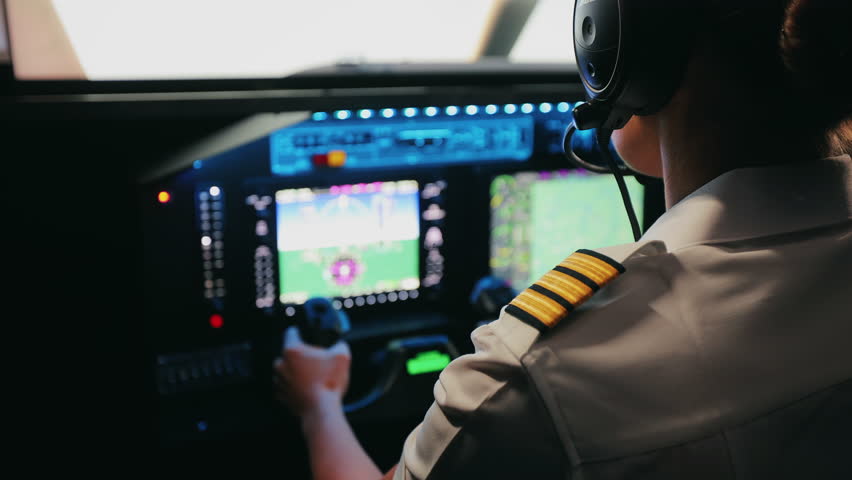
x: 348, y: 240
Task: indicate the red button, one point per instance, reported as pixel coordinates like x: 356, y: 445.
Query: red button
x: 320, y: 160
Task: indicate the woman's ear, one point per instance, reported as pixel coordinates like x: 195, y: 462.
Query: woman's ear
x: 638, y: 144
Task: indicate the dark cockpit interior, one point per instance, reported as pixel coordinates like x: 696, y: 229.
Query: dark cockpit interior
x: 207, y: 171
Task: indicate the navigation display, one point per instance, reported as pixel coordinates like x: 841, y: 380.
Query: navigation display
x: 348, y: 240
x: 539, y: 218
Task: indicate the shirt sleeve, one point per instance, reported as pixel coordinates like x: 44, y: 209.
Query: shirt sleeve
x: 487, y: 420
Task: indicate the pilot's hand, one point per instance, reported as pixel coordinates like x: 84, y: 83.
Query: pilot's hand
x: 309, y: 379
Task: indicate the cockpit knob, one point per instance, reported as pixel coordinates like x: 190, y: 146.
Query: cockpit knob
x: 322, y: 325
x: 490, y: 295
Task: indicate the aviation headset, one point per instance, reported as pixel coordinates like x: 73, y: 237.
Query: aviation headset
x: 631, y: 56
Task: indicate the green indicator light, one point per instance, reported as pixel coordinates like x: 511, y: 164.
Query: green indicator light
x: 426, y: 362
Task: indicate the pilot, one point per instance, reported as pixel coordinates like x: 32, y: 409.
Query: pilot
x: 717, y: 346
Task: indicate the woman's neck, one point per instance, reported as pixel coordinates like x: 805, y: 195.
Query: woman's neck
x: 692, y: 158
x: 706, y: 131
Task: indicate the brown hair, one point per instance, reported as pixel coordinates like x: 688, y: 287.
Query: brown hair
x: 815, y: 45
x: 793, y: 59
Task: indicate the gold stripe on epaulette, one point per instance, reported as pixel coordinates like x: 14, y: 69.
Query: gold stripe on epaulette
x: 598, y: 271
x: 566, y: 287
x: 538, y: 305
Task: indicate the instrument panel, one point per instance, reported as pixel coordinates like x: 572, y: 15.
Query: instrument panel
x: 394, y: 214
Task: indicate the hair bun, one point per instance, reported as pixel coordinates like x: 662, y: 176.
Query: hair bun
x: 816, y: 47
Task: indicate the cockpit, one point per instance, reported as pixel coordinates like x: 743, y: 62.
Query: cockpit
x: 387, y: 173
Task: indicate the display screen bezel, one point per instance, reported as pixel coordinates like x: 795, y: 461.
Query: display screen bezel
x: 300, y: 198
x: 427, y: 291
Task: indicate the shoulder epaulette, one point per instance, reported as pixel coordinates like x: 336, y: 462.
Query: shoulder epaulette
x: 544, y: 304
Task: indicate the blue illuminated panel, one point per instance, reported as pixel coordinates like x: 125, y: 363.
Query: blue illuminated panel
x: 406, y: 137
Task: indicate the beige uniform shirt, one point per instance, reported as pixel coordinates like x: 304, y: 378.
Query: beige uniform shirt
x: 723, y: 351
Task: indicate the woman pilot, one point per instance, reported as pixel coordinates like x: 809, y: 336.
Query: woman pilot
x: 718, y: 345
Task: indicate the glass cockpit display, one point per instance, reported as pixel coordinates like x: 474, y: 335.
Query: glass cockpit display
x: 348, y: 240
x: 539, y: 218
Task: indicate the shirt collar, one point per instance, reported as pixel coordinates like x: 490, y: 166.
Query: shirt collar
x: 755, y: 202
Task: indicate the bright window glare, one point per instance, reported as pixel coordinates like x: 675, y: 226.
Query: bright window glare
x: 165, y: 39
x: 4, y: 47
x: 547, y: 36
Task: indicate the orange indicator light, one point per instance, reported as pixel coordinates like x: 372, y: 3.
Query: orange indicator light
x: 332, y: 159
x: 336, y: 158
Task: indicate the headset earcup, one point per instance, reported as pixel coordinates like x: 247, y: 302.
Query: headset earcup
x: 631, y: 54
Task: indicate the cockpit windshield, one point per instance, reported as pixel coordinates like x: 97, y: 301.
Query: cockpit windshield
x: 226, y: 39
